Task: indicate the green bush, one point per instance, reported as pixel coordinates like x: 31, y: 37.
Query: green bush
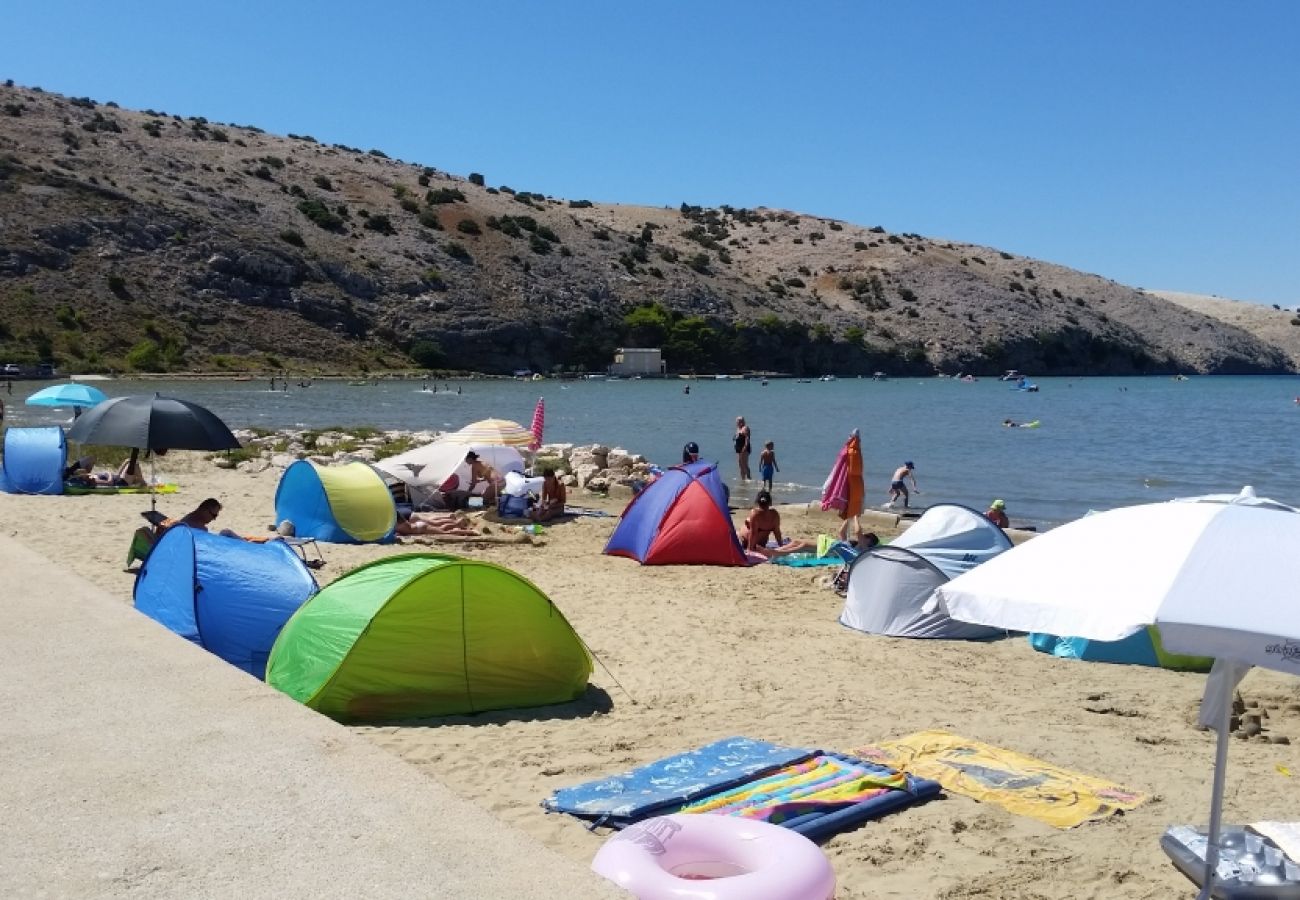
x: 323, y: 183
x: 468, y: 226
x: 409, y: 205
x: 476, y: 178
x: 537, y: 245
x: 320, y: 215
x: 429, y: 219
x: 380, y: 224
x: 458, y: 251
x: 146, y: 356
x: 444, y: 195
x: 289, y: 236
x: 428, y: 354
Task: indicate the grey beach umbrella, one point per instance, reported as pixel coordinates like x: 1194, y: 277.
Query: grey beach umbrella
x: 153, y: 422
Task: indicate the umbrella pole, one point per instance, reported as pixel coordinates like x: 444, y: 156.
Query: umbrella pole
x: 1216, y: 797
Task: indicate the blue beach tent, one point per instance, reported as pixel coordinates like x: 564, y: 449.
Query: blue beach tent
x: 347, y: 504
x: 34, y: 460
x: 681, y: 518
x: 230, y: 596
x: 1142, y: 648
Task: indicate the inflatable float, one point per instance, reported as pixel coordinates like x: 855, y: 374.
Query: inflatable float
x: 712, y: 857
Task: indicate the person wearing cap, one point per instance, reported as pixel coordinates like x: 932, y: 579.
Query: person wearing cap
x: 997, y: 513
x: 480, y: 473
x: 897, y: 487
x: 691, y: 452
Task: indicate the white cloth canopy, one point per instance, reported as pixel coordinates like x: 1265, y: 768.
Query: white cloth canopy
x: 426, y: 468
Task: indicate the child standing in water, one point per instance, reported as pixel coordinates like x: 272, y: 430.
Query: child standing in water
x: 767, y: 466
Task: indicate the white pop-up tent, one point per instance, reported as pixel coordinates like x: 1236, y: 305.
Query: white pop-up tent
x: 426, y: 469
x: 890, y: 584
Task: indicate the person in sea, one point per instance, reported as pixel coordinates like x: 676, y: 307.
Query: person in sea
x: 997, y: 514
x: 767, y: 466
x: 553, y: 499
x: 1010, y: 423
x: 763, y: 523
x: 743, y: 447
x: 898, y: 487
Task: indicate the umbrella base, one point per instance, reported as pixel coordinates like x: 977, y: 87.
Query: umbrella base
x: 1250, y: 865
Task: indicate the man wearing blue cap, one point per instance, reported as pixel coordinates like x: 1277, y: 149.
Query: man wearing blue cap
x: 897, y: 488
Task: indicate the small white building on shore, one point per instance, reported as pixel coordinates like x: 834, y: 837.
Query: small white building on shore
x: 638, y: 361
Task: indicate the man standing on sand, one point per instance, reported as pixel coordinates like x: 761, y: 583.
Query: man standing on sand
x: 742, y: 443
x: 897, y: 488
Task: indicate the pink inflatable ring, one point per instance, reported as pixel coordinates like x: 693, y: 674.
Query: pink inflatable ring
x: 708, y: 857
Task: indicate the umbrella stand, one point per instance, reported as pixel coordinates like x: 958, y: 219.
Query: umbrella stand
x: 1216, y: 796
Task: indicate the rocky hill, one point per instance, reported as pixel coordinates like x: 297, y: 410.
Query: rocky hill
x: 147, y: 241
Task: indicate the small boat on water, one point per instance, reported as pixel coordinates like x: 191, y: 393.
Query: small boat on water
x: 827, y: 378
x: 1011, y: 375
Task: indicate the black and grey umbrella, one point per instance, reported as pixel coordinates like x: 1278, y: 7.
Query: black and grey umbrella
x: 152, y: 422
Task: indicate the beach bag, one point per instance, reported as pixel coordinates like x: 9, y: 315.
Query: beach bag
x: 512, y: 506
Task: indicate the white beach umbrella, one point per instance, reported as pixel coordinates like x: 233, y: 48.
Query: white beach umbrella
x: 1219, y: 576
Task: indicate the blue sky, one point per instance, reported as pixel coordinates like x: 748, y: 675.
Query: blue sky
x: 1155, y: 143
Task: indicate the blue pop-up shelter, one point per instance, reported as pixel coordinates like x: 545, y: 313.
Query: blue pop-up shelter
x: 347, y: 504
x: 681, y: 518
x: 228, y: 595
x: 34, y: 460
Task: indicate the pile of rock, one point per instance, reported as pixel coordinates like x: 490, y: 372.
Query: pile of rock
x: 595, y: 467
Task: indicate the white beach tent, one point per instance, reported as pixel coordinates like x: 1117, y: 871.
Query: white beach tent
x: 890, y: 584
x: 425, y: 469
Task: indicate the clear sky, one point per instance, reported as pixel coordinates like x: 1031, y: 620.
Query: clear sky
x: 1155, y: 143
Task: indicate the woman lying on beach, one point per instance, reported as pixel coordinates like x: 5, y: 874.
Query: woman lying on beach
x: 416, y: 524
x: 764, y: 522
x: 127, y: 475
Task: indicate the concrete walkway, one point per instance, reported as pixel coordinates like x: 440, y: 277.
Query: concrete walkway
x: 134, y: 764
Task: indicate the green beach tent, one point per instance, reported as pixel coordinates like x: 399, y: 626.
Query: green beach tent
x: 428, y: 634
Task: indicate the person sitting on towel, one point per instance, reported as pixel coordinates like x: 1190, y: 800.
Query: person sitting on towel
x: 553, y: 499
x: 127, y: 475
x: 764, y: 522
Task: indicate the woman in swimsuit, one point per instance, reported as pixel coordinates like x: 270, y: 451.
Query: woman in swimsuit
x: 742, y: 447
x: 764, y: 522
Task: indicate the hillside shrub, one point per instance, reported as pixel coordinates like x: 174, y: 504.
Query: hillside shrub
x: 321, y: 215
x: 428, y: 354
x: 146, y: 356
x: 458, y: 251
x: 700, y: 263
x: 409, y: 205
x: 380, y: 224
x: 859, y: 245
x: 323, y: 183
x: 476, y: 178
x: 538, y: 245
x: 580, y: 204
x: 377, y: 153
x: 444, y: 195
x: 429, y: 218
x: 468, y: 226
x: 289, y: 236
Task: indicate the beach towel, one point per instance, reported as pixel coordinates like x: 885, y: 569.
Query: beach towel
x: 819, y: 796
x: 1018, y: 783
x: 666, y: 784
x: 81, y: 490
x: 804, y: 560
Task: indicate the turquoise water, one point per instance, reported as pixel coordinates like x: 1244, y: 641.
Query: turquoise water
x: 1102, y: 442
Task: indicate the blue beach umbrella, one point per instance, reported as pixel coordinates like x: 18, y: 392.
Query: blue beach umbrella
x: 70, y: 394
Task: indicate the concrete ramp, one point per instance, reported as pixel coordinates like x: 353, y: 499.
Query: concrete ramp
x: 134, y: 764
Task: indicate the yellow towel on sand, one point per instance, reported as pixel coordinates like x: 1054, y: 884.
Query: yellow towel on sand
x: 1018, y: 783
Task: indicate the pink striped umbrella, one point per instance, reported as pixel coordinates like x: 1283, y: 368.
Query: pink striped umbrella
x: 539, y: 421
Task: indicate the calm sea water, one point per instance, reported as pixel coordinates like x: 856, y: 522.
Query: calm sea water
x: 1102, y: 442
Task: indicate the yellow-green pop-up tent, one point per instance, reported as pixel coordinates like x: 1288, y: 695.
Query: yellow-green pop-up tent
x: 428, y: 634
x: 347, y: 504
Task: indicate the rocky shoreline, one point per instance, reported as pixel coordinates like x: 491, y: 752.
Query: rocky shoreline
x: 596, y: 468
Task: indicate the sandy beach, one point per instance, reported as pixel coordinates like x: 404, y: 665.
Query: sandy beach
x: 704, y: 653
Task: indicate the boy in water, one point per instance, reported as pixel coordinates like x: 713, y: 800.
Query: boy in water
x: 767, y: 466
x: 897, y: 488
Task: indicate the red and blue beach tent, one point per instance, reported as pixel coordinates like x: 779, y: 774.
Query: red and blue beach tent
x: 681, y: 518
